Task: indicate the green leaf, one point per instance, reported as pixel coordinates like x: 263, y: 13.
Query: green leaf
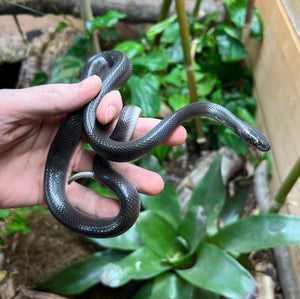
x: 130, y: 240
x: 80, y: 277
x: 171, y: 286
x: 177, y: 76
x: 166, y: 204
x: 259, y: 232
x: 218, y: 272
x: 157, y: 61
x: 144, y: 93
x: 39, y: 78
x: 107, y: 20
x: 161, y: 152
x: 4, y: 213
x: 130, y: 48
x: 175, y: 52
x: 156, y: 232
x: 237, y: 11
x: 145, y: 291
x: 161, y: 26
x: 233, y: 141
x: 192, y: 228
x: 229, y: 48
x: 210, y: 194
x: 243, y: 114
x: 171, y: 34
x: 233, y: 206
x: 68, y: 67
x: 205, y: 85
x: 230, y: 31
x: 2, y: 242
x: 178, y: 101
x: 60, y: 27
x: 141, y: 264
x: 257, y: 26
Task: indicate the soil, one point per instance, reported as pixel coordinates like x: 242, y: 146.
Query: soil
x: 50, y: 247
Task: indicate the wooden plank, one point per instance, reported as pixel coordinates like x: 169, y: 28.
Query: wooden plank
x: 275, y: 64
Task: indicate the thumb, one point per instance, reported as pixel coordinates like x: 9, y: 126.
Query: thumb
x: 54, y: 99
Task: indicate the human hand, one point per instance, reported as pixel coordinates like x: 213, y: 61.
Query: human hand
x: 29, y: 120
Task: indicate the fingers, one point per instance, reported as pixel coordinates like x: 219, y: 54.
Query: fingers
x: 110, y: 107
x: 144, y: 125
x: 88, y: 201
x: 145, y: 181
x: 52, y: 99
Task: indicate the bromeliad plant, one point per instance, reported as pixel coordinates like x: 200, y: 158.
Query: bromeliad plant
x: 198, y: 255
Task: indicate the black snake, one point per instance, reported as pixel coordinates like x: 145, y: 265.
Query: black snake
x: 114, y: 69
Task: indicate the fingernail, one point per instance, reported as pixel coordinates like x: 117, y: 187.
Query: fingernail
x: 86, y: 82
x: 110, y: 113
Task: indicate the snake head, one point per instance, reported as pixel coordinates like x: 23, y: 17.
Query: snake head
x: 256, y: 139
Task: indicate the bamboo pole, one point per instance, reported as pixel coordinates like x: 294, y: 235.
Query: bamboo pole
x: 248, y: 21
x: 196, y: 9
x: 164, y: 12
x: 285, y: 188
x: 189, y: 64
x: 87, y: 15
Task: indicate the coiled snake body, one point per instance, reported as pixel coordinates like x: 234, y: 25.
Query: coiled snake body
x: 114, y: 69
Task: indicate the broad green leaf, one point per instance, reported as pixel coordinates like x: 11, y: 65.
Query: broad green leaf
x: 171, y: 34
x: 178, y: 101
x: 79, y: 277
x: 192, y: 227
x: 4, y: 213
x: 39, y: 78
x: 157, y: 61
x: 171, y: 286
x: 141, y: 264
x: 231, y: 31
x: 210, y: 194
x: 177, y: 76
x: 218, y: 272
x: 237, y: 11
x: 161, y: 152
x: 245, y: 115
x: 130, y: 48
x: 166, y: 204
x: 130, y: 240
x: 230, y: 48
x: 150, y: 162
x: 233, y: 206
x: 205, y: 85
x: 67, y: 67
x: 161, y: 26
x: 156, y: 232
x: 107, y: 20
x: 201, y: 293
x: 145, y: 291
x: 175, y: 52
x: 144, y: 93
x: 259, y: 232
x: 233, y: 141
